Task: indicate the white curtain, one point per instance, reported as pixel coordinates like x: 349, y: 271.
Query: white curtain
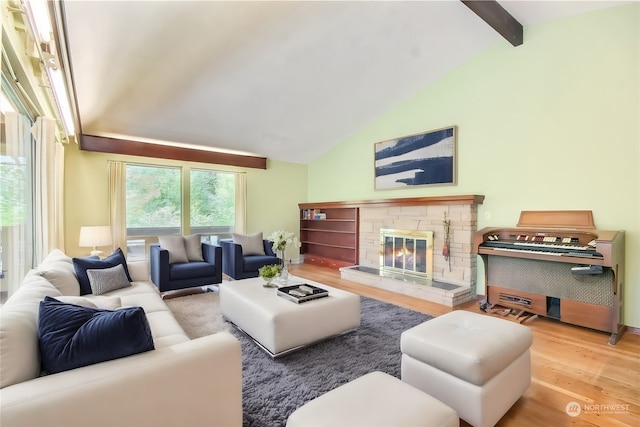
x: 117, y: 204
x: 48, y: 180
x: 16, y: 226
x: 241, y: 204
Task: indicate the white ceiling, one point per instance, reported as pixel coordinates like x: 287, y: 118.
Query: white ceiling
x: 287, y: 80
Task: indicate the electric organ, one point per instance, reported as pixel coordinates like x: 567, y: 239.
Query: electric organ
x: 556, y: 264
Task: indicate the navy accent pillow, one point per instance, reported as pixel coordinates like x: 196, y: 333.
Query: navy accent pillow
x: 81, y: 265
x: 72, y: 336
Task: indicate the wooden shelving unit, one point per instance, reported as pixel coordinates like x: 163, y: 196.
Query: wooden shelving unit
x: 329, y: 234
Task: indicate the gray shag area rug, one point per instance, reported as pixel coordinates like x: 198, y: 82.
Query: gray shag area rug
x: 273, y: 389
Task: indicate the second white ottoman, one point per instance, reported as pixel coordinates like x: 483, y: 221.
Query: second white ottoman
x: 374, y: 400
x: 477, y: 364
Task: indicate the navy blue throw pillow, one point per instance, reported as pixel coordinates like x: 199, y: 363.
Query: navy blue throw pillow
x: 72, y: 336
x: 81, y: 265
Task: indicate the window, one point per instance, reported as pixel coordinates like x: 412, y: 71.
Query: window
x: 212, y: 206
x: 155, y: 204
x: 153, y: 196
x: 16, y: 193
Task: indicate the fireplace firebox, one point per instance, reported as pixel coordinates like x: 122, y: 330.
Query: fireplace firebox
x: 406, y: 252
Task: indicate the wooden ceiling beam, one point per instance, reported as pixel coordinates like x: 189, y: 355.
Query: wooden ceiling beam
x: 498, y: 18
x: 144, y: 149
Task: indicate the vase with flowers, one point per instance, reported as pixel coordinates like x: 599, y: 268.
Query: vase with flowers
x: 282, y: 239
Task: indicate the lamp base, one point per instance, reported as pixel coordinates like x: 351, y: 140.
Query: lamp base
x: 96, y: 253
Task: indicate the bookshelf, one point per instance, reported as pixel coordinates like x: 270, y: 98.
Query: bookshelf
x: 329, y: 234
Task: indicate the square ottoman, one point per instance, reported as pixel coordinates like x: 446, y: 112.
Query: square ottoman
x: 374, y: 400
x: 477, y: 364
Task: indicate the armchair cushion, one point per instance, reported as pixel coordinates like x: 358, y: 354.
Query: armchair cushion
x: 190, y: 270
x: 193, y: 246
x: 252, y: 244
x: 254, y: 262
x: 176, y: 248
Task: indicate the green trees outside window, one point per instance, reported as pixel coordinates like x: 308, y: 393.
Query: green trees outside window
x: 155, y: 205
x: 153, y: 197
x: 212, y: 198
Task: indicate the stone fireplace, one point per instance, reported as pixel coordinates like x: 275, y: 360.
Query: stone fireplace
x: 449, y: 280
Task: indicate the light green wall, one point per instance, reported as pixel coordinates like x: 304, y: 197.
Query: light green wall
x: 272, y: 194
x: 550, y: 125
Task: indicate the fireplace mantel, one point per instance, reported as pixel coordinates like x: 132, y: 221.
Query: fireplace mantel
x: 469, y: 199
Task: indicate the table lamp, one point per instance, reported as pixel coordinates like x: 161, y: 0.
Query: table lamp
x: 95, y: 236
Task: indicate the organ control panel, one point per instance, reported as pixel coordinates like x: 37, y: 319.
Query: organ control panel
x: 556, y: 264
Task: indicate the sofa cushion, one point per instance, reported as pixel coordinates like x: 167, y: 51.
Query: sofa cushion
x: 252, y: 244
x: 56, y: 255
x: 175, y: 246
x: 193, y: 246
x: 19, y: 330
x: 58, y: 269
x: 61, y: 275
x: 72, y: 336
x: 190, y: 270
x: 81, y: 265
x: 104, y: 302
x: 107, y: 279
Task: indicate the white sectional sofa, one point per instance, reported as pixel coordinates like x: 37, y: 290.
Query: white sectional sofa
x: 181, y: 382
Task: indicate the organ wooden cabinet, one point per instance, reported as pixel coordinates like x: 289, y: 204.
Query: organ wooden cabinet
x: 329, y: 234
x: 556, y: 264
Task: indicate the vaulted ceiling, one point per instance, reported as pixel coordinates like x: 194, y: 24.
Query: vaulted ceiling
x: 286, y: 80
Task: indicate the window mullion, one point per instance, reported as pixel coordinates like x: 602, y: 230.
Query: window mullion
x: 186, y: 200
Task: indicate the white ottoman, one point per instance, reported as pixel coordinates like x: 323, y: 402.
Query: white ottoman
x: 374, y: 400
x: 477, y: 364
x: 280, y: 326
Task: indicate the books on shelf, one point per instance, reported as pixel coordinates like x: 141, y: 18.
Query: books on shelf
x: 302, y: 293
x: 313, y: 214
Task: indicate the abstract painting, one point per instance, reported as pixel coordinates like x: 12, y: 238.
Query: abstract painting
x: 423, y: 159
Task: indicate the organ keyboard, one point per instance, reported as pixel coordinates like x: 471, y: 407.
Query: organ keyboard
x: 544, y: 249
x: 556, y: 264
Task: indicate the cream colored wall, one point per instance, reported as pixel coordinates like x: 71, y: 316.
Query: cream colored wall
x: 272, y: 194
x: 551, y: 124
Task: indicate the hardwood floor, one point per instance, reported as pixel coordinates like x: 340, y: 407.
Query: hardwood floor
x: 568, y: 364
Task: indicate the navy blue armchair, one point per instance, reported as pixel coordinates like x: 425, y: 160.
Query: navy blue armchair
x: 239, y: 266
x: 181, y: 275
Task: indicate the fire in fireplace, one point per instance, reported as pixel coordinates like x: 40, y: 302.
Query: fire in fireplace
x: 406, y: 252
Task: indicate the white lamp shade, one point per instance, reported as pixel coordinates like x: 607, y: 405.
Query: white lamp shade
x: 94, y: 236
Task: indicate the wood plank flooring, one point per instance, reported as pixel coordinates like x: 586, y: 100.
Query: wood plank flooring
x: 568, y: 364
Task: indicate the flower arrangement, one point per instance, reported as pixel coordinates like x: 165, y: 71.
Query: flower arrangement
x: 268, y: 272
x: 282, y: 239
